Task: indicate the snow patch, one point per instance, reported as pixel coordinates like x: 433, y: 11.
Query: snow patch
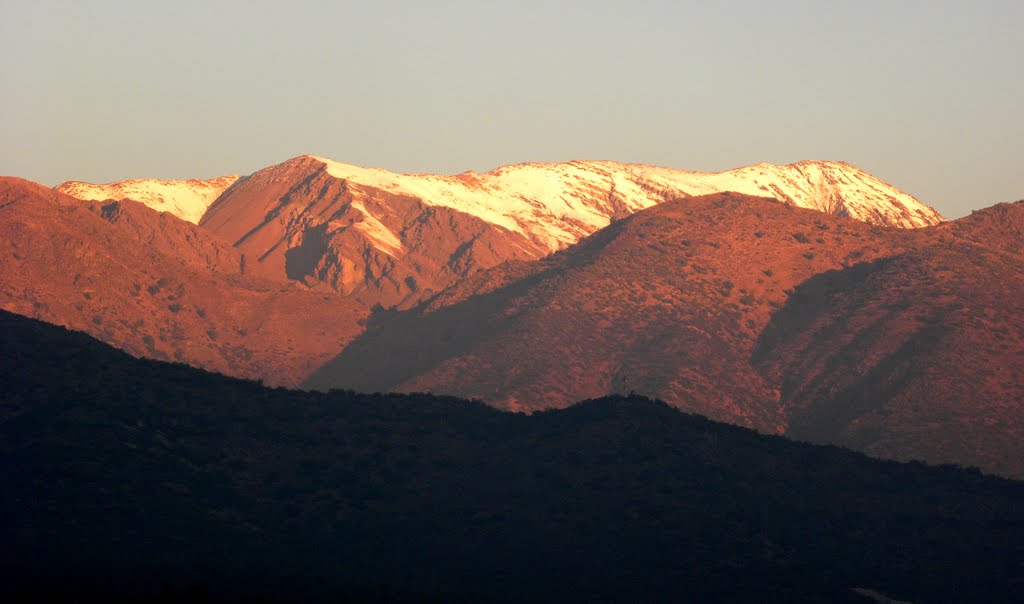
x: 186, y: 199
x: 385, y: 240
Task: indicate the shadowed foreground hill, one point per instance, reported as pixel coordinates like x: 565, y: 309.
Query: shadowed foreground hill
x: 131, y: 478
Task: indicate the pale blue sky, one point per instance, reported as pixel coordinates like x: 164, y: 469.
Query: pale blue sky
x: 926, y: 95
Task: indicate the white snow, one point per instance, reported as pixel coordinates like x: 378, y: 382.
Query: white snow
x: 186, y: 199
x: 386, y: 241
x: 557, y: 204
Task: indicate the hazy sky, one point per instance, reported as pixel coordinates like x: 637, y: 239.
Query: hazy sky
x: 927, y: 95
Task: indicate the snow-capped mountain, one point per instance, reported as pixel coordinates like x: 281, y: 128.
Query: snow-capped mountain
x: 301, y: 222
x: 395, y: 239
x: 186, y: 199
x: 557, y: 204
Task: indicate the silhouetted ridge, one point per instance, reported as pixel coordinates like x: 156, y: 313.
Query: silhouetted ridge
x: 132, y: 479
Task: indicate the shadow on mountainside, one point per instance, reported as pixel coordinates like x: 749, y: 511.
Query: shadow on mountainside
x: 916, y: 356
x: 789, y: 351
x: 400, y: 345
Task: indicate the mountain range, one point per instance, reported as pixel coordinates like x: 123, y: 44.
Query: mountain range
x: 397, y: 239
x: 811, y: 300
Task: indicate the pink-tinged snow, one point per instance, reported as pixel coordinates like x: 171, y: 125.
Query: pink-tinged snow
x: 558, y: 204
x: 382, y: 237
x: 186, y: 199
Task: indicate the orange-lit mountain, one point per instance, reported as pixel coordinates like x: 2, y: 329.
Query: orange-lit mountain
x: 902, y: 343
x: 305, y: 224
x: 397, y: 239
x: 779, y: 312
x: 160, y: 287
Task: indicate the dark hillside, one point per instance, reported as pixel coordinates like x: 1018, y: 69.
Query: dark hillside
x: 126, y: 478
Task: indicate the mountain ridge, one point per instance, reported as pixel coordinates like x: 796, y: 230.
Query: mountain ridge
x: 684, y: 300
x: 186, y: 199
x: 640, y: 180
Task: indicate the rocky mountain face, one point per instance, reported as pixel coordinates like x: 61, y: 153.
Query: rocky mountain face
x: 186, y: 199
x: 305, y: 224
x: 160, y: 287
x: 902, y: 343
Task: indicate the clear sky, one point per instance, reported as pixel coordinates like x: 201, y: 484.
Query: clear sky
x: 927, y: 95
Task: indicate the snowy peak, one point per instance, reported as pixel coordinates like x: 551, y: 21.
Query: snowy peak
x: 186, y: 199
x: 557, y: 204
x: 836, y: 188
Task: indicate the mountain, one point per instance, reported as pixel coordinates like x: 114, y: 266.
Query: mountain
x: 557, y: 204
x: 745, y: 310
x: 397, y: 239
x: 186, y: 199
x: 305, y: 224
x: 160, y: 287
x: 719, y: 305
x: 132, y: 480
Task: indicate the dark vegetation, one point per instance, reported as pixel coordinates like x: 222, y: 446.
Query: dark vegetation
x: 132, y: 479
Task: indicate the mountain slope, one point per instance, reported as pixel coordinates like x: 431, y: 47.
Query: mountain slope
x: 130, y: 480
x: 857, y: 333
x: 919, y: 355
x: 397, y: 239
x: 159, y: 287
x: 186, y: 199
x: 668, y: 302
